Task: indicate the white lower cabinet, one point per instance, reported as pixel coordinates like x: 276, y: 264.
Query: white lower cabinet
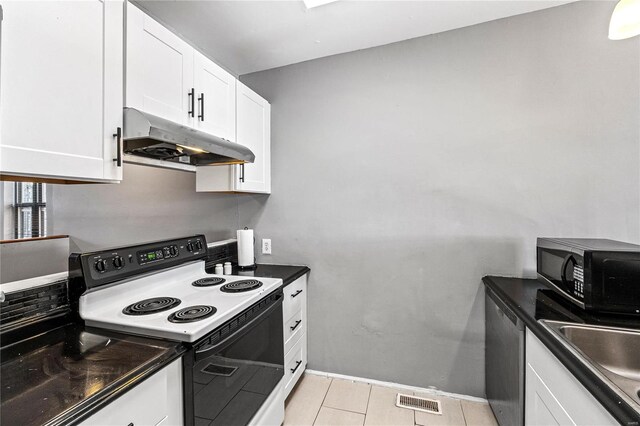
x: 553, y: 396
x: 294, y: 316
x: 155, y: 401
x: 295, y: 363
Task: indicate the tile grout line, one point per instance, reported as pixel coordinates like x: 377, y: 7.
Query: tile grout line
x: 345, y: 410
x: 323, y: 399
x: 463, y: 416
x: 368, y: 400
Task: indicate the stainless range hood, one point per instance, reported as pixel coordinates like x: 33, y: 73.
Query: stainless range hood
x: 150, y: 136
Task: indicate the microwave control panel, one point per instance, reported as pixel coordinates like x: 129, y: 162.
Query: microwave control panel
x: 578, y: 281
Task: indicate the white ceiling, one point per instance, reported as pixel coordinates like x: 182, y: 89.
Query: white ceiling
x: 248, y: 36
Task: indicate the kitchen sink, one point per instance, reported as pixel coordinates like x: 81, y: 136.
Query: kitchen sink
x: 611, y: 353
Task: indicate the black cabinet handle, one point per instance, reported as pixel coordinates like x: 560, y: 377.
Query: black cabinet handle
x: 293, y: 370
x: 192, y: 102
x: 201, y: 100
x: 118, y: 136
x: 130, y: 424
x: 242, y: 172
x: 296, y: 293
x: 296, y: 326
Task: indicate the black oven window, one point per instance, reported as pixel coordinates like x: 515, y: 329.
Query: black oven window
x: 29, y: 210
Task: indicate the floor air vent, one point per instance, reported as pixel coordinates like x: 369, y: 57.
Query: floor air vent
x: 416, y: 403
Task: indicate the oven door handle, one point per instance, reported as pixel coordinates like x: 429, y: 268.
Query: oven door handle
x: 200, y: 353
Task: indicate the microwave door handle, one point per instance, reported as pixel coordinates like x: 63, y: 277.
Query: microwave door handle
x: 563, y: 270
x: 200, y: 354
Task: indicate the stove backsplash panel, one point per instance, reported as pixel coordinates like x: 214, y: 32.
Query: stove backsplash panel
x: 223, y: 253
x: 32, y: 302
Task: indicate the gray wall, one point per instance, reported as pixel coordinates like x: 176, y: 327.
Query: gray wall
x: 150, y: 204
x: 403, y: 174
x: 29, y: 259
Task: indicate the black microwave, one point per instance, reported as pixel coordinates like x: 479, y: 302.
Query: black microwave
x: 596, y: 274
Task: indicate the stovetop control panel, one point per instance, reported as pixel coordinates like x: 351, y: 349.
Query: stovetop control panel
x: 107, y: 266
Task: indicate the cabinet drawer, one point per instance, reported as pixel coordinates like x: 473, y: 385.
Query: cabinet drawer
x: 294, y: 296
x: 293, y: 329
x: 294, y: 363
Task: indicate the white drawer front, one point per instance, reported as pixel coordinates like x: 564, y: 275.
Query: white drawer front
x: 294, y: 364
x: 293, y: 329
x: 294, y: 296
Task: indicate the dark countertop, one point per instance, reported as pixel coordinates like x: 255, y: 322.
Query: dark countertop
x: 531, y: 300
x: 69, y: 372
x: 288, y: 273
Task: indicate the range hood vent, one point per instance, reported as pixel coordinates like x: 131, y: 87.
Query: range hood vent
x: 150, y: 136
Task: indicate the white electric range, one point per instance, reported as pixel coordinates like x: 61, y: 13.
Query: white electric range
x: 183, y: 303
x: 231, y: 325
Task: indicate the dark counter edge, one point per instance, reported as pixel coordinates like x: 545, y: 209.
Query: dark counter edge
x: 618, y: 408
x: 302, y: 270
x: 85, y: 410
x: 287, y: 273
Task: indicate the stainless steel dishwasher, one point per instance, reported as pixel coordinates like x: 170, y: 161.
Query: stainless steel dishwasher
x: 504, y: 361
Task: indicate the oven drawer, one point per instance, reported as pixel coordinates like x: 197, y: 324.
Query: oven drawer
x: 294, y: 364
x: 295, y: 295
x: 293, y: 329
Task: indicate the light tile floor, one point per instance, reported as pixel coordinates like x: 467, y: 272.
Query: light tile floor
x: 318, y: 400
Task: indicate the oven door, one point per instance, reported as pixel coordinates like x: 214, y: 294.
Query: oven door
x: 230, y: 373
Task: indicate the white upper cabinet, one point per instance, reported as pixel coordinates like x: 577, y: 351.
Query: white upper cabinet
x: 169, y: 78
x: 61, y: 89
x: 215, y: 98
x: 253, y: 130
x: 159, y: 70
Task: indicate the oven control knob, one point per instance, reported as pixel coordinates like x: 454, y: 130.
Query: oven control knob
x: 173, y: 251
x: 199, y: 245
x: 189, y: 246
x: 118, y: 262
x: 101, y: 265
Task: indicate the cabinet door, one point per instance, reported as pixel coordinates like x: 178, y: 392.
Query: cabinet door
x: 253, y: 130
x: 543, y: 408
x: 155, y: 401
x: 61, y: 89
x: 216, y: 98
x: 553, y: 395
x: 159, y: 69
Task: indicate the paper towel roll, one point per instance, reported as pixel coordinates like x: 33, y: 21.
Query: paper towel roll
x: 246, y: 257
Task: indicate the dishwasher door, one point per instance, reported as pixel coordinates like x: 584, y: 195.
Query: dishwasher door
x: 504, y: 361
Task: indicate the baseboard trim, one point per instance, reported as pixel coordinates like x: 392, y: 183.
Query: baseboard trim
x: 396, y: 386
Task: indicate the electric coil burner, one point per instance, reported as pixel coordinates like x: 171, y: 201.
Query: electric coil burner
x: 151, y: 306
x: 192, y: 313
x: 241, y: 286
x: 208, y: 282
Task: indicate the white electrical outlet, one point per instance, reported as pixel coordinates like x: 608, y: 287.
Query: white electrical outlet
x: 266, y: 246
